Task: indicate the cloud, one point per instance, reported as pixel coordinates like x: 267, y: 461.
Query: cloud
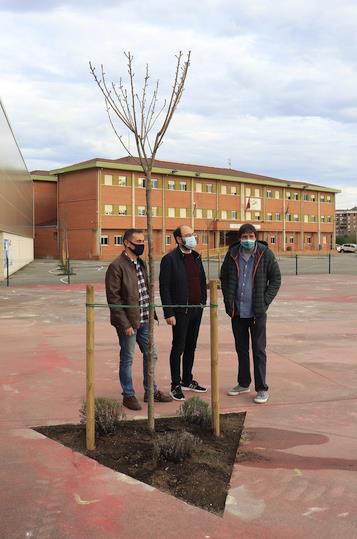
x: 272, y: 85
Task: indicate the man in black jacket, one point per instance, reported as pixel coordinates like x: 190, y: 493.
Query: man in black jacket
x: 183, y: 282
x: 250, y: 280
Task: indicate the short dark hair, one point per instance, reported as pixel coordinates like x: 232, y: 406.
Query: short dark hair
x: 177, y: 233
x: 128, y: 234
x: 247, y: 229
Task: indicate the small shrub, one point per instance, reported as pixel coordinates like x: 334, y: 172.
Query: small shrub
x: 196, y: 411
x: 108, y: 413
x: 174, y: 446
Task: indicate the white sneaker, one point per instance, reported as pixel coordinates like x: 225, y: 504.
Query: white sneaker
x: 262, y: 397
x: 237, y: 390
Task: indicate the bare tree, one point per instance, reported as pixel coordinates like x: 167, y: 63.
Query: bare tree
x: 140, y: 113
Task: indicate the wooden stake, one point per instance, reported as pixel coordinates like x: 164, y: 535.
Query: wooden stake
x: 214, y: 357
x: 90, y: 426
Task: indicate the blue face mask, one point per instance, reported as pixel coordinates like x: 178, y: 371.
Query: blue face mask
x: 190, y: 242
x: 248, y: 244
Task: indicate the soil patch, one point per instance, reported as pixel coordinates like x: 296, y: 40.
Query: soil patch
x: 201, y: 479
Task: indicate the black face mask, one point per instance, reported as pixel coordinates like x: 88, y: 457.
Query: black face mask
x: 138, y: 248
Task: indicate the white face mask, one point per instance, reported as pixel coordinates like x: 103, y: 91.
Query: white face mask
x: 190, y: 242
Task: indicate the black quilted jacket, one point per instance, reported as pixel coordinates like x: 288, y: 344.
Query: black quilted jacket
x: 266, y: 278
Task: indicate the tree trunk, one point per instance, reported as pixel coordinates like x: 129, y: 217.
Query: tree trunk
x: 151, y: 366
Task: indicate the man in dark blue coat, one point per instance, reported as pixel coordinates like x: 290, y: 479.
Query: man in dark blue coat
x: 183, y: 282
x: 250, y: 280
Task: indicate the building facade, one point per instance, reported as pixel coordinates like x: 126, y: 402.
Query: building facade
x: 98, y: 200
x: 346, y: 222
x: 16, y: 203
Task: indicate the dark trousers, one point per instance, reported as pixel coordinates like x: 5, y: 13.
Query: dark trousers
x: 184, y: 340
x: 256, y: 327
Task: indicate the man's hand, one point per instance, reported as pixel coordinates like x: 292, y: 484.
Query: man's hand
x: 171, y: 321
x: 129, y: 332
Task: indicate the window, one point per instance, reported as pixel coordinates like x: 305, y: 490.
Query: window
x: 322, y: 198
x: 198, y: 213
x: 257, y: 216
x: 108, y: 209
x: 141, y: 210
x: 199, y: 187
x: 122, y: 181
x: 234, y: 190
x: 277, y: 216
x: 223, y: 189
x: 272, y: 239
x: 209, y: 214
x: 306, y: 196
x: 209, y: 188
x: 257, y: 192
x: 288, y: 195
x: 313, y: 218
x: 288, y: 216
x: 248, y: 192
x: 296, y: 217
x: 154, y: 183
x: 183, y: 212
x: 328, y: 198
x: 329, y: 219
x: 306, y: 218
x: 122, y: 210
x: 269, y: 193
x: 183, y: 186
x: 104, y: 240
x: 248, y: 215
x: 108, y: 179
x: 234, y: 214
x: 171, y: 185
x: 141, y: 182
x: 167, y: 239
x: 277, y: 194
x: 171, y: 212
x: 154, y: 211
x: 322, y: 218
x: 296, y: 196
x: 308, y: 240
x: 223, y: 214
x: 204, y: 238
x: 118, y: 240
x: 313, y: 197
x: 270, y: 216
x: 291, y: 239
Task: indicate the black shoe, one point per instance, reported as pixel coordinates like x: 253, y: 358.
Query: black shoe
x: 194, y: 386
x: 176, y: 393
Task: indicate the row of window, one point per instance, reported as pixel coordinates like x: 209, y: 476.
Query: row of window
x: 225, y: 189
x: 118, y: 240
x: 111, y: 209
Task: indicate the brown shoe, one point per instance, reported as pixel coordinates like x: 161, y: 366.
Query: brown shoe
x: 159, y: 396
x: 131, y: 402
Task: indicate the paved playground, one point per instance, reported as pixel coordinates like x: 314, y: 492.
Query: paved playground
x: 296, y: 475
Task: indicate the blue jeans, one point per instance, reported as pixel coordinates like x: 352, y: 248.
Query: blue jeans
x: 126, y: 356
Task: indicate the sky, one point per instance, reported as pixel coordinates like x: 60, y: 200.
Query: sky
x: 271, y: 88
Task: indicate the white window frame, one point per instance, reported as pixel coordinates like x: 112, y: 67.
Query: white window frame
x: 108, y: 209
x: 142, y: 183
x: 223, y: 189
x: 198, y: 187
x: 257, y: 192
x: 123, y: 209
x: 269, y: 193
x: 168, y: 239
x: 108, y: 179
x: 199, y: 213
x: 223, y: 214
x: 171, y: 185
x: 118, y: 240
x: 171, y: 212
x: 104, y: 240
x: 234, y: 190
x: 154, y: 183
x: 154, y: 211
x: 209, y: 214
x: 273, y: 240
x: 209, y: 187
x: 122, y: 181
x: 277, y: 194
x: 183, y: 213
x: 269, y: 216
x: 204, y: 238
x: 234, y: 215
x: 248, y: 191
x: 183, y: 186
x: 141, y: 211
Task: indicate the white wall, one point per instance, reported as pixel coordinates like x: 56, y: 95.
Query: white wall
x: 20, y: 252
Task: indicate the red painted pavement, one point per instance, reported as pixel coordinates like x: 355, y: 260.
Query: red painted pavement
x: 298, y: 477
